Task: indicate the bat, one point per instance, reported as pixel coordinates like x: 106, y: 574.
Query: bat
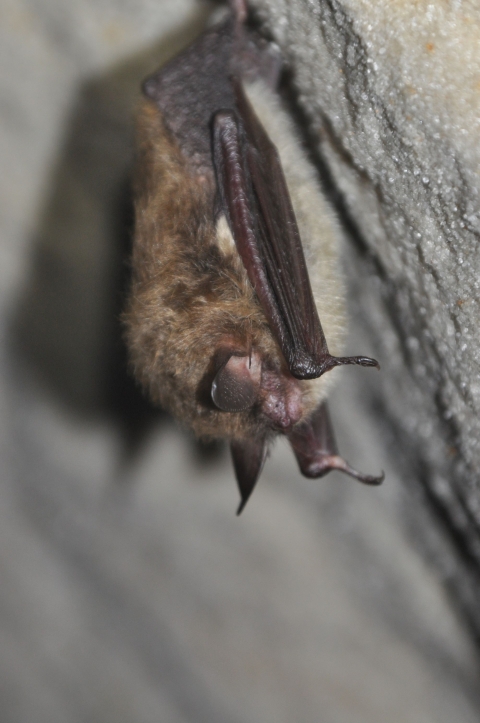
x: 223, y: 318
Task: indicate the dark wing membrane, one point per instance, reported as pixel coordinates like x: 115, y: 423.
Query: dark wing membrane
x: 302, y: 339
x: 239, y: 205
x: 257, y: 205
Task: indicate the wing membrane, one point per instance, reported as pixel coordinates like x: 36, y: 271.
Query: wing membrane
x: 257, y: 204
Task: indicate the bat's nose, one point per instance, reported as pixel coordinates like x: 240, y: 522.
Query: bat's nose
x: 282, y: 400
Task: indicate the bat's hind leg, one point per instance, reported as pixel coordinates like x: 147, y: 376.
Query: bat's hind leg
x: 313, y: 443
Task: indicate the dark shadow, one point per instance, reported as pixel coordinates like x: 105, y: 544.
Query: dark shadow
x: 207, y: 453
x: 67, y: 323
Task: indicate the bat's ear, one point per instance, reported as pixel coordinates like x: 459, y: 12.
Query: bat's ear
x: 248, y: 457
x: 236, y: 384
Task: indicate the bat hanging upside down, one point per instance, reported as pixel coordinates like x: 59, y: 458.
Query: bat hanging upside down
x: 223, y: 324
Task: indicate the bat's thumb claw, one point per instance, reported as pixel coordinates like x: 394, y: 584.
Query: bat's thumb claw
x: 363, y: 361
x: 366, y: 361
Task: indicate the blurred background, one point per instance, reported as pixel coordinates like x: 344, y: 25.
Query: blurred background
x: 129, y: 591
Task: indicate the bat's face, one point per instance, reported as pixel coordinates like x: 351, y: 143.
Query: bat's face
x: 199, y: 340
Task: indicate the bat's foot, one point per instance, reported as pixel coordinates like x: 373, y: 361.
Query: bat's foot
x: 314, y: 446
x: 321, y: 464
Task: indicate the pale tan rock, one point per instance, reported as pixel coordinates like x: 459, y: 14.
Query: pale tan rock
x: 392, y: 93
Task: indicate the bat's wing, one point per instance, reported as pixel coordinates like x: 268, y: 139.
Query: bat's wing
x: 314, y: 445
x: 257, y: 205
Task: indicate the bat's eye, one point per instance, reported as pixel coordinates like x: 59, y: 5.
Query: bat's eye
x: 236, y: 384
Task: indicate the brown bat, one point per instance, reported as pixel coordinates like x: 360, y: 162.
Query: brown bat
x: 223, y: 322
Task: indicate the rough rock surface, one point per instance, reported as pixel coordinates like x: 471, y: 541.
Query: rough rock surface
x: 129, y: 591
x: 392, y: 90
